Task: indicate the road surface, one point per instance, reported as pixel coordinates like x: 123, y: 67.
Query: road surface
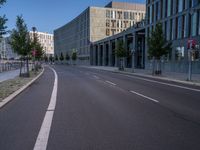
x: 100, y: 110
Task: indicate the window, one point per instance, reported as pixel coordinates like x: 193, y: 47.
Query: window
x: 194, y: 24
x: 126, y: 15
x: 180, y: 5
x: 107, y: 32
x: 179, y: 53
x: 107, y: 13
x: 107, y: 23
x: 179, y: 27
x: 169, y: 8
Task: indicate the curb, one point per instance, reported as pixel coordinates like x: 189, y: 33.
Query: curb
x: 160, y: 78
x: 13, y: 95
x: 148, y: 76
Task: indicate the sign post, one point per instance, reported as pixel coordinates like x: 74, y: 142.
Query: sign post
x: 191, y: 50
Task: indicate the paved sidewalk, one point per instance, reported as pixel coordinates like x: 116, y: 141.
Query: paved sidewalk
x: 170, y: 76
x: 8, y: 75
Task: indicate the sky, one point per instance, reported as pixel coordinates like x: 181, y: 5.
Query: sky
x: 48, y: 15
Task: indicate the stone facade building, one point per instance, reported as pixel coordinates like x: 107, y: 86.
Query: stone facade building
x: 93, y: 24
x: 46, y: 41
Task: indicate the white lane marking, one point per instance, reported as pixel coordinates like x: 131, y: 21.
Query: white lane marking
x: 168, y: 84
x: 43, y: 136
x: 149, y: 98
x: 96, y: 77
x: 111, y: 83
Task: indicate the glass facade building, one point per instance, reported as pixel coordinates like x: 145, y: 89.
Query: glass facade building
x: 181, y: 21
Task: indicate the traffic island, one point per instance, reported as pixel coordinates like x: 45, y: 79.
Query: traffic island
x: 9, y: 89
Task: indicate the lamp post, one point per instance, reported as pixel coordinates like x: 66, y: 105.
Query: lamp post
x: 34, y: 51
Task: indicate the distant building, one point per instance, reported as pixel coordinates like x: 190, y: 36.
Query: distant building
x: 46, y: 41
x: 93, y: 24
x: 6, y: 52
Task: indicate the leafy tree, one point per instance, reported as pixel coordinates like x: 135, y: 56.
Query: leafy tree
x: 74, y: 56
x: 120, y: 51
x: 20, y: 42
x: 3, y: 21
x: 158, y: 47
x: 67, y: 57
x: 61, y: 57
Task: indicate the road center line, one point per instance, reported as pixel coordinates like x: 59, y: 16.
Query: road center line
x: 111, y: 83
x: 43, y: 136
x: 149, y: 98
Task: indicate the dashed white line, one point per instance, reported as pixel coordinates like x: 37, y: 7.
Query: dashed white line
x: 149, y: 98
x: 96, y: 77
x: 43, y: 136
x: 111, y: 83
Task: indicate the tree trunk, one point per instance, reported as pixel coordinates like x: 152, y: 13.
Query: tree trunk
x: 20, y: 73
x: 153, y: 66
x: 27, y: 67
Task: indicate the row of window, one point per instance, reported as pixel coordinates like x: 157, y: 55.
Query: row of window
x: 119, y: 23
x: 165, y: 8
x: 124, y: 15
x: 181, y: 27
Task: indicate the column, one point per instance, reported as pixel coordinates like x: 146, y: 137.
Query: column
x: 99, y: 55
x: 104, y: 54
x: 133, y: 50
x: 126, y: 48
x: 109, y: 54
x: 116, y: 59
x: 94, y: 55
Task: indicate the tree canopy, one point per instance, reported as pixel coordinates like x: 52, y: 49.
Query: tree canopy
x: 120, y: 49
x: 158, y: 46
x: 20, y: 40
x: 3, y: 21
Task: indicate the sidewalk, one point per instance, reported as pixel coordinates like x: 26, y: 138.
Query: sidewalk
x: 169, y: 76
x: 8, y: 75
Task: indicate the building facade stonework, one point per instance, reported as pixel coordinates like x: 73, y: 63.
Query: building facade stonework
x: 46, y: 40
x: 93, y: 24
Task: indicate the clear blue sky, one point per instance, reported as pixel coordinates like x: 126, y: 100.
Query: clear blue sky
x: 48, y: 15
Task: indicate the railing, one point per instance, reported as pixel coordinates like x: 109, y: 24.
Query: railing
x: 9, y: 65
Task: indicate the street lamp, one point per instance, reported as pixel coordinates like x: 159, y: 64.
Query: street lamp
x: 34, y: 51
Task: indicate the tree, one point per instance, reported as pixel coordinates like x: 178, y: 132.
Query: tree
x: 3, y: 21
x: 67, y: 57
x: 61, y: 57
x: 120, y: 51
x: 158, y: 47
x: 21, y: 43
x: 74, y: 56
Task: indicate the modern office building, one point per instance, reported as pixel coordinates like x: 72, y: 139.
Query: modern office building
x: 6, y: 51
x: 103, y: 51
x: 46, y: 41
x: 181, y: 24
x: 93, y: 24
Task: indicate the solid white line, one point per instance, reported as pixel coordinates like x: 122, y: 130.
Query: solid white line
x: 111, y: 83
x: 43, y: 136
x: 149, y: 98
x: 168, y: 84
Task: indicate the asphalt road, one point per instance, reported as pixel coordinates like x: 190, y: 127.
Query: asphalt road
x: 99, y: 110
